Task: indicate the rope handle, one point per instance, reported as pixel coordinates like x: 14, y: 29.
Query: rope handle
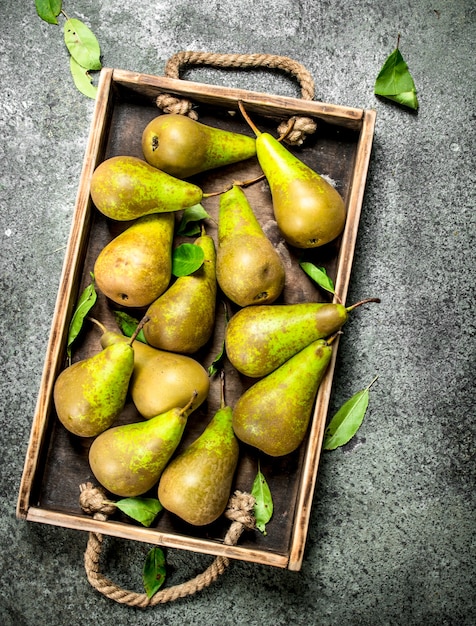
x: 93, y: 501
x: 294, y: 130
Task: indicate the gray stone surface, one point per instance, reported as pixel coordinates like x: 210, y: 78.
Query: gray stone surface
x: 391, y: 540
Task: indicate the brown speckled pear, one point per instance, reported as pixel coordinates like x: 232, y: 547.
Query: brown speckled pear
x: 128, y: 460
x: 183, y: 318
x: 273, y: 414
x: 135, y: 267
x: 183, y: 147
x: 125, y: 187
x: 249, y: 269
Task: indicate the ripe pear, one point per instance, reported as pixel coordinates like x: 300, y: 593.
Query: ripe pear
x: 90, y: 394
x: 126, y: 187
x: 162, y: 380
x: 260, y: 338
x: 309, y: 211
x: 128, y: 460
x: 196, y: 485
x: 182, y: 319
x: 136, y: 266
x: 249, y: 270
x: 183, y: 147
x: 273, y: 414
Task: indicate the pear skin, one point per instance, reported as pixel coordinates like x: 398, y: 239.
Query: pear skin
x: 128, y: 460
x: 90, y: 394
x: 273, y: 414
x: 196, y: 485
x: 249, y: 269
x: 309, y: 211
x: 135, y: 267
x: 183, y: 318
x: 126, y: 187
x: 182, y: 147
x: 259, y: 339
x: 162, y: 380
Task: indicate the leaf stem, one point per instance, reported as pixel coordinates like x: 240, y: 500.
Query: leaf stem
x: 372, y: 382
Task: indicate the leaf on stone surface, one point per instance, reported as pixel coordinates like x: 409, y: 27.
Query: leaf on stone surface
x: 186, y: 259
x: 395, y: 81
x: 48, y: 10
x: 143, y: 510
x: 347, y: 421
x: 85, y: 303
x: 318, y: 275
x: 263, y: 507
x: 154, y: 571
x: 82, y: 79
x: 189, y: 226
x: 82, y: 44
x: 128, y: 325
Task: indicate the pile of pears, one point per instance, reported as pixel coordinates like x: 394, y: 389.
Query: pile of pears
x: 281, y: 350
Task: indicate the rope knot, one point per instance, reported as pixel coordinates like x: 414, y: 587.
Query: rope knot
x: 170, y: 104
x: 93, y: 501
x: 301, y: 127
x: 240, y: 509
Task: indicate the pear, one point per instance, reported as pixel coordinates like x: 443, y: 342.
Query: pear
x: 182, y: 319
x: 273, y: 414
x: 183, y: 147
x: 136, y: 266
x: 258, y: 339
x: 128, y: 460
x: 126, y: 187
x: 162, y: 380
x: 90, y: 394
x: 309, y: 211
x: 249, y: 270
x: 196, y: 485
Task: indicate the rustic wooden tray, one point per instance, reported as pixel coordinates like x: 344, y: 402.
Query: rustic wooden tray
x: 56, y: 462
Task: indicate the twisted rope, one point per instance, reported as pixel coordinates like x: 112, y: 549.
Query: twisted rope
x: 301, y: 126
x: 94, y: 502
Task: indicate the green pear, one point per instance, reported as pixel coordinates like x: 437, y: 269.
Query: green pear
x: 183, y: 318
x: 126, y: 187
x: 309, y: 211
x: 90, y: 394
x: 183, y: 147
x: 135, y: 267
x: 128, y: 460
x: 249, y: 270
x: 260, y: 338
x: 273, y: 414
x: 162, y: 380
x: 196, y: 485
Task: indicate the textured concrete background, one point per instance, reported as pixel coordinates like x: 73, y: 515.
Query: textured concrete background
x: 391, y: 540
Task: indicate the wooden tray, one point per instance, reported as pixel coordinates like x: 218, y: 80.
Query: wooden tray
x: 56, y: 462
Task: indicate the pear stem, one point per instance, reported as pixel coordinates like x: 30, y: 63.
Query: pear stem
x: 361, y: 302
x: 98, y: 323
x: 251, y: 124
x: 189, y: 403
x: 330, y: 340
x: 139, y: 327
x: 222, y: 389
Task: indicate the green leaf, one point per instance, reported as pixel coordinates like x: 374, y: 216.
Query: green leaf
x: 128, y: 325
x: 263, y: 508
x: 186, y: 259
x: 213, y: 367
x: 82, y: 44
x: 48, y: 10
x: 82, y: 79
x: 395, y: 81
x: 188, y: 226
x: 153, y: 574
x: 85, y: 303
x: 318, y: 275
x: 143, y: 510
x: 347, y: 421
